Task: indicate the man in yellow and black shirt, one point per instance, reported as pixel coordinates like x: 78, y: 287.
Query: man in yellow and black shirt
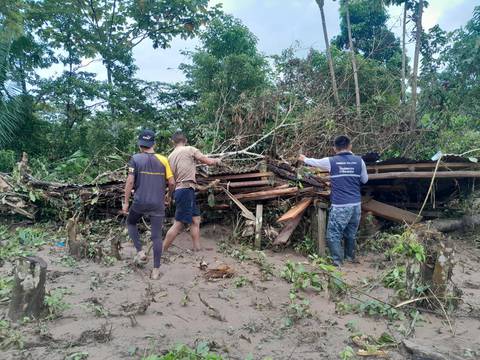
x: 148, y: 175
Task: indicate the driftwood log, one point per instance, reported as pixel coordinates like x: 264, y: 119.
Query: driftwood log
x: 423, y: 352
x: 29, y: 288
x: 466, y: 222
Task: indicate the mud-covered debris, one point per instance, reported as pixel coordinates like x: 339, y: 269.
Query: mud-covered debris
x: 222, y: 272
x: 101, y: 335
x: 203, y: 265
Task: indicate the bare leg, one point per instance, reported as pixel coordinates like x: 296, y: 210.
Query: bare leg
x: 172, y: 234
x: 195, y: 232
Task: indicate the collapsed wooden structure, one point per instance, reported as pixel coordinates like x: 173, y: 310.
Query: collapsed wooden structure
x: 395, y: 191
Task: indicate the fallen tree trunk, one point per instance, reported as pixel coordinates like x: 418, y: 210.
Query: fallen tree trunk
x: 448, y: 225
x: 422, y: 352
x: 28, y: 292
x: 425, y: 175
x: 389, y: 212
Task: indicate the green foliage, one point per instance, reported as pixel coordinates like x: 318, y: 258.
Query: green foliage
x: 183, y: 352
x: 300, y: 278
x: 368, y: 19
x: 68, y: 261
x: 70, y: 123
x: 381, y: 242
x: 225, y: 72
x: 240, y: 253
x: 21, y: 243
x: 109, y: 260
x: 395, y: 279
x: 6, y: 283
x: 79, y: 355
x: 241, y: 281
x: 306, y: 247
x: 336, y: 284
x: 31, y: 237
x: 72, y: 166
x: 375, y: 308
x: 298, y: 308
x: 55, y: 303
x: 372, y: 308
x: 7, y: 160
x: 347, y: 353
x: 267, y: 269
x: 408, y: 245
x: 98, y: 310
x: 9, y: 337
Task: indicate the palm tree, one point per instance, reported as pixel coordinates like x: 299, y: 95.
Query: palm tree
x: 9, y: 104
x: 354, y: 61
x: 320, y: 4
x: 418, y: 38
x: 407, y: 5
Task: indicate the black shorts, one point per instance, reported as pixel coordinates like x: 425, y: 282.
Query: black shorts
x: 185, y: 205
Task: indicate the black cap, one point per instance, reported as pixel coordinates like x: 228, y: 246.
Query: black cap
x: 146, y: 138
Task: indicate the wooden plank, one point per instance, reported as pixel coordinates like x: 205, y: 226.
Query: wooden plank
x: 322, y: 229
x: 424, y: 175
x: 245, y: 212
x: 243, y: 176
x: 389, y: 212
x: 241, y: 184
x: 413, y: 167
x: 298, y: 208
x: 268, y: 193
x: 287, y: 230
x: 258, y: 226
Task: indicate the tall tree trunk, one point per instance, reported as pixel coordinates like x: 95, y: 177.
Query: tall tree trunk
x: 108, y: 66
x: 329, y: 54
x: 404, y: 52
x: 418, y: 38
x: 354, y: 61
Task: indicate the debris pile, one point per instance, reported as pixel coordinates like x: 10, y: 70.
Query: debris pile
x: 396, y: 189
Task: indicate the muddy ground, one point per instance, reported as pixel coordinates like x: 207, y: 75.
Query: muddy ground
x: 250, y: 316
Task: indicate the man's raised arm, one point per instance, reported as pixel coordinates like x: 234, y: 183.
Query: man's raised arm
x: 206, y: 160
x: 323, y: 163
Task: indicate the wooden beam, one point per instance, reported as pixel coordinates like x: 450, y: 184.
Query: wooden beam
x: 268, y: 193
x: 243, y: 176
x: 413, y: 167
x: 298, y: 208
x: 389, y: 212
x: 424, y: 175
x: 322, y: 228
x: 258, y: 226
x: 287, y: 230
x: 241, y: 184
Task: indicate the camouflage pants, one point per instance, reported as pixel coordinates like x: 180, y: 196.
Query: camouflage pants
x: 343, y: 224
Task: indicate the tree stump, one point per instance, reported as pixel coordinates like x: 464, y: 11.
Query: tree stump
x: 28, y: 292
x: 443, y: 270
x: 76, y: 247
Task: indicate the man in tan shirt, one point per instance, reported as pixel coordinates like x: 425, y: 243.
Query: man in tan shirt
x: 183, y: 164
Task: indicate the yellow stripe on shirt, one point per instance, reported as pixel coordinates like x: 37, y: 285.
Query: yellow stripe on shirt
x: 164, y: 161
x: 151, y: 173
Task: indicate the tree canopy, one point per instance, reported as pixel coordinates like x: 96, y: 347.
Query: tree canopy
x: 233, y: 94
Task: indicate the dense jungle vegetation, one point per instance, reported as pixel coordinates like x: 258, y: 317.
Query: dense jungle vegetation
x: 74, y: 124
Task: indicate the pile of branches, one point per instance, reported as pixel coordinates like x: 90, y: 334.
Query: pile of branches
x: 22, y: 194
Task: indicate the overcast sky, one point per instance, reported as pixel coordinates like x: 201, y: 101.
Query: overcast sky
x: 280, y: 23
